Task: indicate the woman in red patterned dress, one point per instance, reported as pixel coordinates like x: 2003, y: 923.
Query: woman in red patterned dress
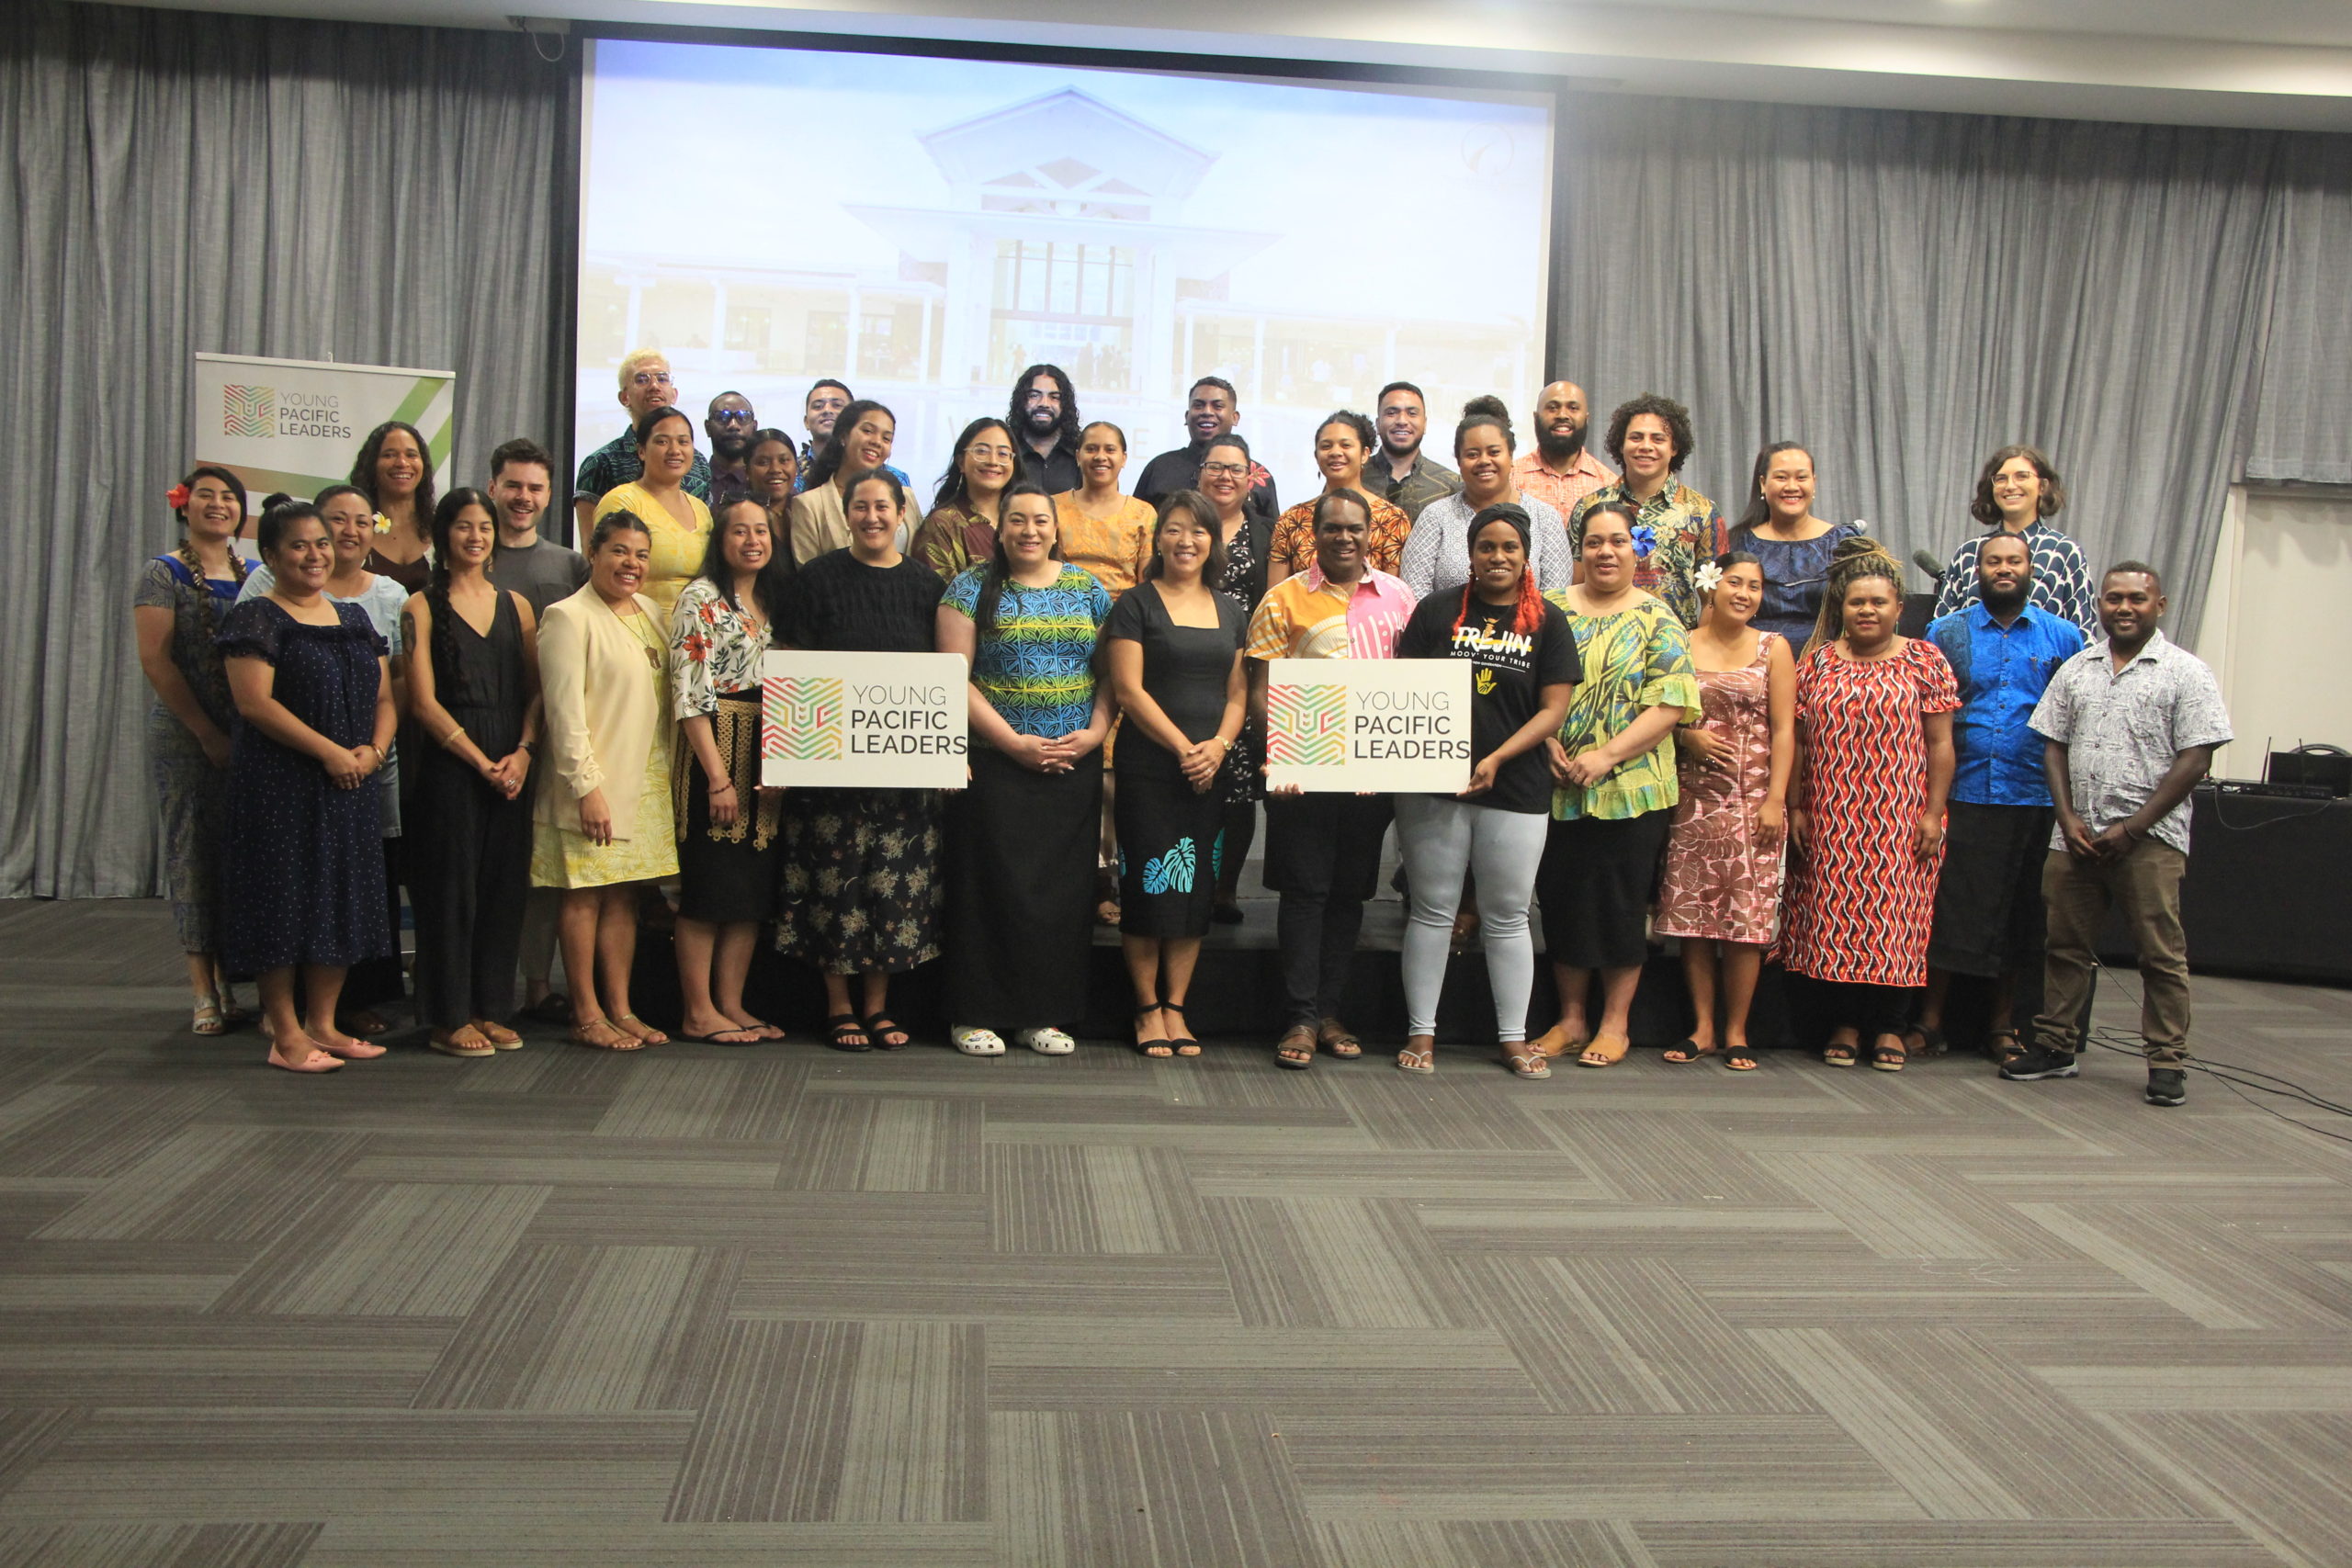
x: 1720, y: 894
x: 1874, y: 764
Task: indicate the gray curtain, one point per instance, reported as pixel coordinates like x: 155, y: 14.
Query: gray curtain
x: 1905, y: 293
x: 2302, y: 417
x: 182, y: 181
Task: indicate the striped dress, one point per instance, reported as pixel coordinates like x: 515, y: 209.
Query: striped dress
x: 1859, y: 901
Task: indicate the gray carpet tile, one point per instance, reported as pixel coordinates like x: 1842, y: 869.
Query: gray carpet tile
x: 700, y: 1307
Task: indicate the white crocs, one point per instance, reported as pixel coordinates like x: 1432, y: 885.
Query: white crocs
x: 1047, y: 1042
x: 977, y: 1041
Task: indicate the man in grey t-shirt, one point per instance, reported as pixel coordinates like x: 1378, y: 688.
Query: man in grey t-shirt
x: 2128, y: 727
x: 521, y: 480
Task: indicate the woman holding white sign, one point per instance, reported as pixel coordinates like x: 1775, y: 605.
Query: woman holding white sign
x: 1022, y: 844
x: 862, y: 891
x: 1525, y: 671
x: 1615, y: 785
x: 719, y: 633
x: 1174, y: 648
x: 601, y: 825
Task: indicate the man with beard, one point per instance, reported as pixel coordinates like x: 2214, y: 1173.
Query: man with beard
x: 729, y: 421
x: 2130, y: 725
x: 1400, y: 472
x: 1211, y: 411
x: 2003, y: 650
x: 1044, y: 417
x: 1559, y: 472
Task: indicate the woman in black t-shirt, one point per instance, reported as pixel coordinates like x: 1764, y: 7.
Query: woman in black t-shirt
x: 1526, y: 668
x: 862, y: 892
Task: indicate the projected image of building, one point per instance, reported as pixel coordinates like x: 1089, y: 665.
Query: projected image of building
x: 1072, y: 233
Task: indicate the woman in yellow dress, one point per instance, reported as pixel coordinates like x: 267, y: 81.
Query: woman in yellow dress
x: 602, y: 826
x: 677, y: 522
x: 1103, y: 532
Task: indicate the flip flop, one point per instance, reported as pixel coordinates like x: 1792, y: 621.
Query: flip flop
x: 1526, y: 1062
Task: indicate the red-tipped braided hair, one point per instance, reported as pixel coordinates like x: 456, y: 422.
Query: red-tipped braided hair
x: 1530, y: 617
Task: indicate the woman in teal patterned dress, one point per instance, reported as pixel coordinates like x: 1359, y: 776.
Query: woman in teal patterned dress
x: 1021, y: 841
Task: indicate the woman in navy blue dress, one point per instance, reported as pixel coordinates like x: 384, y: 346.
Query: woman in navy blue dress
x: 304, y: 885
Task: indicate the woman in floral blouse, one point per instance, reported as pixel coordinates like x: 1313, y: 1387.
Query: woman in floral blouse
x: 727, y: 825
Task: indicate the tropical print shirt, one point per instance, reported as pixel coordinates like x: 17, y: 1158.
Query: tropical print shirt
x: 1035, y: 665
x: 1634, y: 658
x: 1685, y: 529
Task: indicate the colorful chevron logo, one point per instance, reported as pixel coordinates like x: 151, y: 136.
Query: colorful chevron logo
x: 248, y: 410
x: 1306, y: 727
x: 803, y: 718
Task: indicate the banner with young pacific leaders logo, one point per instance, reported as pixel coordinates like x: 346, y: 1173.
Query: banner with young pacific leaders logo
x: 295, y: 425
x: 1368, y: 725
x: 863, y: 720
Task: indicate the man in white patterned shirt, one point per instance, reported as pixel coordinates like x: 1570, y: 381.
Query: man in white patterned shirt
x: 2128, y: 728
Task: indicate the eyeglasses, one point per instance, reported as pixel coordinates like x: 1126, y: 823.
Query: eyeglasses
x: 651, y: 378
x: 1224, y: 470
x: 734, y: 416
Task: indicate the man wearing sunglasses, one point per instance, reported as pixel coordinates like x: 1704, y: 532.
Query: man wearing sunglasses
x: 729, y: 422
x: 645, y: 385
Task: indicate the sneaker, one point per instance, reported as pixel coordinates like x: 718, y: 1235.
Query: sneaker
x: 2167, y: 1086
x: 2040, y: 1063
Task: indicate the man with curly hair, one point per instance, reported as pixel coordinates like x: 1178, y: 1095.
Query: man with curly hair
x: 1675, y: 526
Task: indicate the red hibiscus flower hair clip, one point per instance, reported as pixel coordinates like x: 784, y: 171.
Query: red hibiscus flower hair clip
x: 177, y: 498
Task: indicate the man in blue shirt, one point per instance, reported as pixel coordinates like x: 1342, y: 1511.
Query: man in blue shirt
x: 2004, y: 650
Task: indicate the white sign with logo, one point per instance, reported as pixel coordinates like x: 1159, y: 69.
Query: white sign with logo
x: 1368, y: 725
x: 296, y: 425
x: 863, y: 720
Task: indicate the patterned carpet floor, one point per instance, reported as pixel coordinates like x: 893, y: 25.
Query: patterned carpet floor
x: 781, y: 1307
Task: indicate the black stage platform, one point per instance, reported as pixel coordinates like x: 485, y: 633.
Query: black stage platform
x: 2262, y: 900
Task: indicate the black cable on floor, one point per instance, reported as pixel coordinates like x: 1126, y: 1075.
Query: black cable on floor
x: 2225, y: 1074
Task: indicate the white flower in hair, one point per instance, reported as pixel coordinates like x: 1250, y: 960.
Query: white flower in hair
x: 1862, y: 525
x: 1707, y: 576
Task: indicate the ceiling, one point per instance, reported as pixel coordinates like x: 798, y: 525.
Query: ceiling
x: 2284, y: 64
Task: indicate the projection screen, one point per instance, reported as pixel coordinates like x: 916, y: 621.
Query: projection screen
x: 923, y: 228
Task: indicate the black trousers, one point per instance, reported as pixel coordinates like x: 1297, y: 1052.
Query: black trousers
x: 468, y: 872
x: 1323, y: 857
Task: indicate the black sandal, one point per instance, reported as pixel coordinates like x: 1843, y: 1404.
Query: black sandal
x: 879, y: 1024
x: 848, y: 1034
x: 1157, y: 1050
x: 1187, y: 1046
x: 1887, y: 1061
x: 1931, y: 1040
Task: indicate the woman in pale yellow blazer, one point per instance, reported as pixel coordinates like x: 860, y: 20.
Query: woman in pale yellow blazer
x: 860, y: 444
x: 677, y: 524
x: 602, y: 825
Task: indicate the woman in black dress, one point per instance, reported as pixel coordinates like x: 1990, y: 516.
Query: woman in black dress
x: 1174, y: 650
x: 720, y: 634
x: 473, y: 691
x: 314, y: 691
x: 862, y: 888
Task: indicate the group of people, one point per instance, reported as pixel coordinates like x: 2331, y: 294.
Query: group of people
x: 1681, y: 726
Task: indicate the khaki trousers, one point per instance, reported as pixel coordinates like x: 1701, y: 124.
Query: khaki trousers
x: 2146, y: 884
